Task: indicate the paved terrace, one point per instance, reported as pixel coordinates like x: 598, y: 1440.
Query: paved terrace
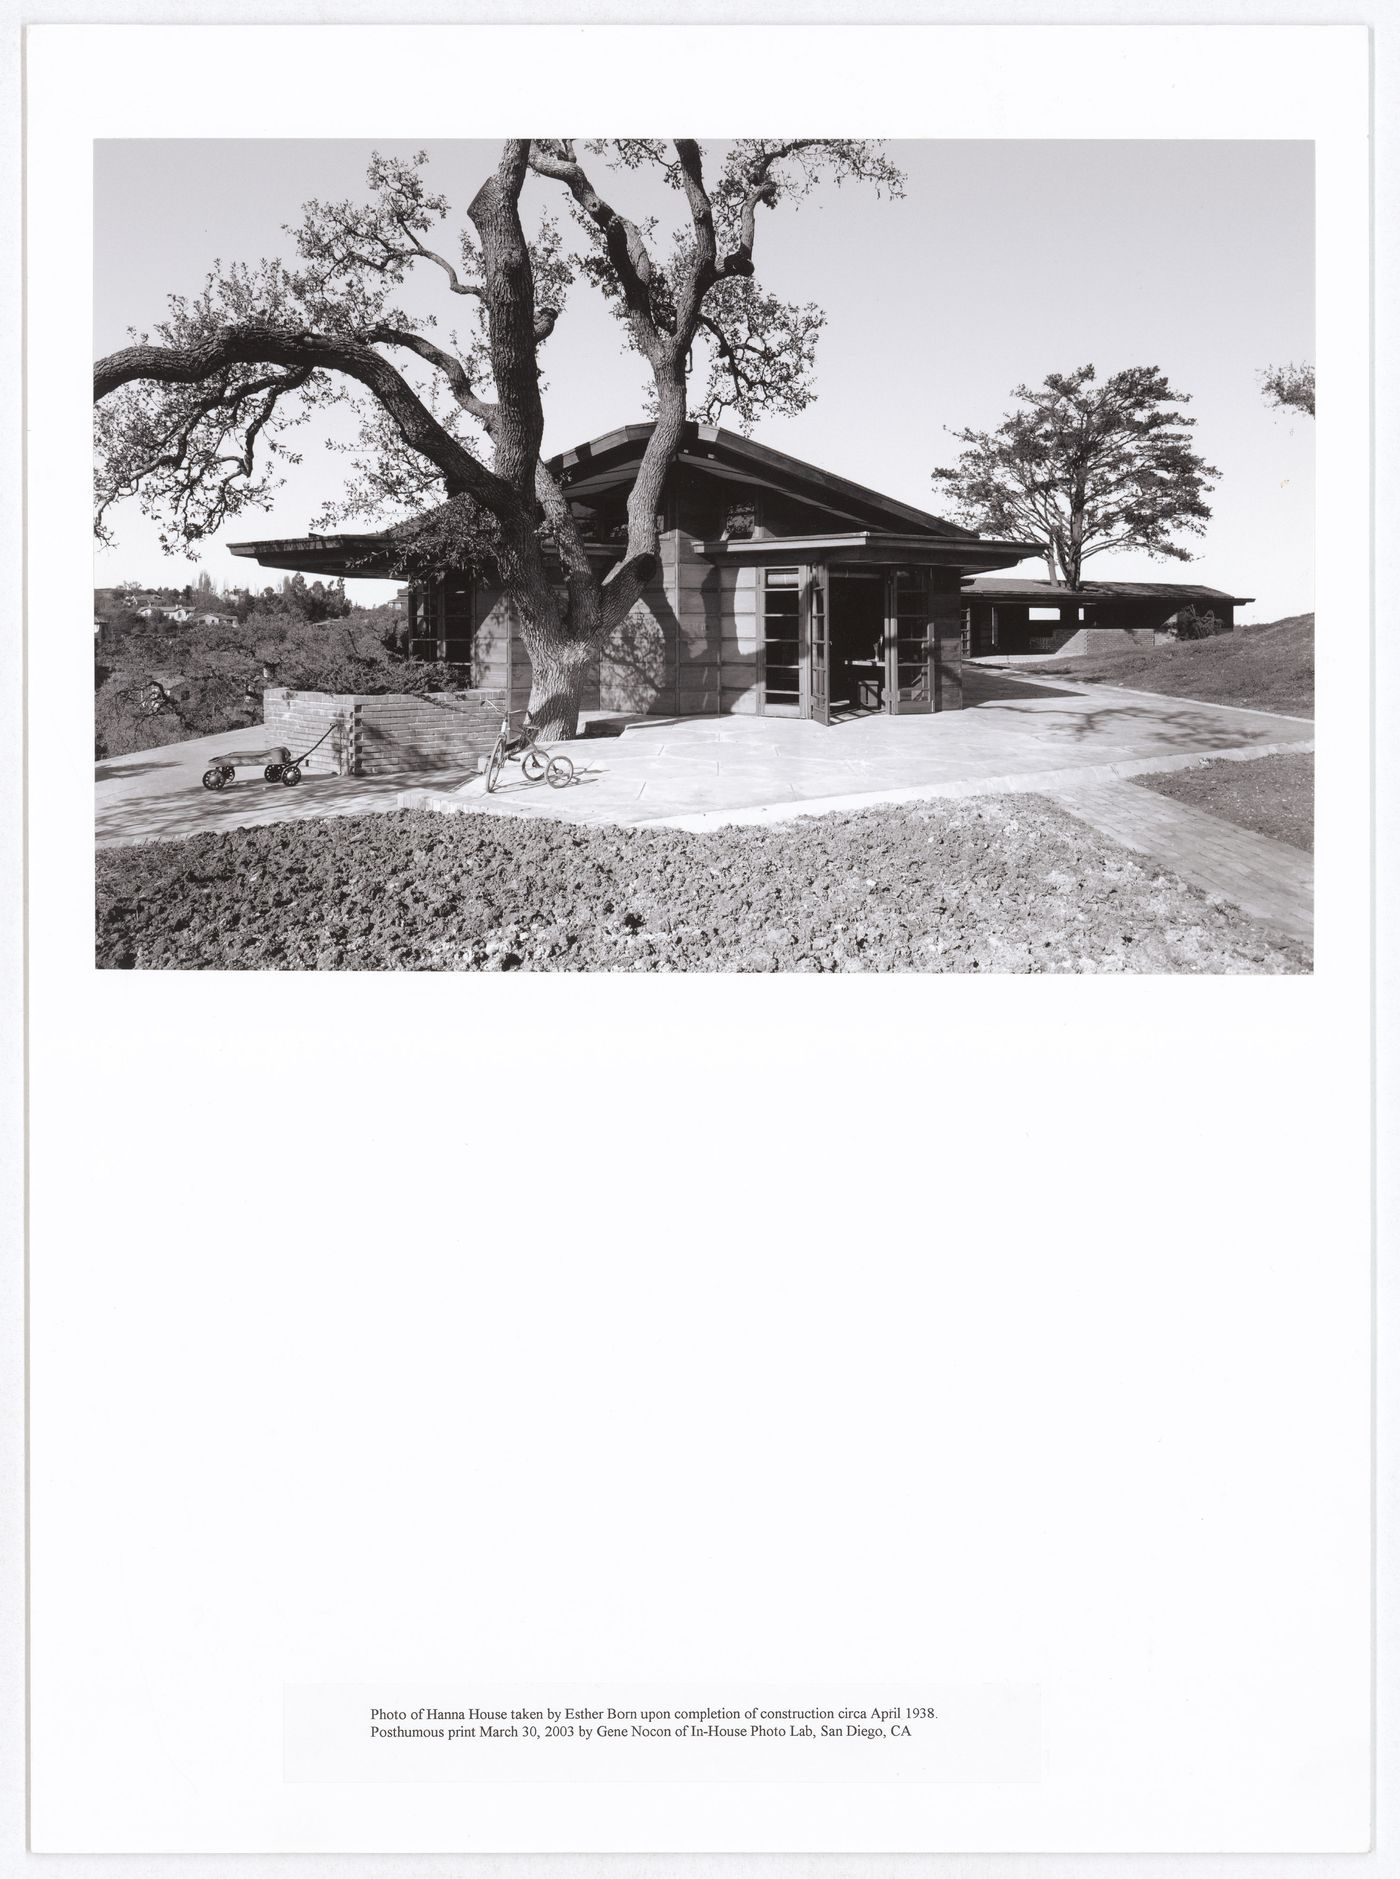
x: 1016, y: 734
x: 1076, y: 743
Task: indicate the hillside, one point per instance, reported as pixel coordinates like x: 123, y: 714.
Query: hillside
x: 1267, y: 668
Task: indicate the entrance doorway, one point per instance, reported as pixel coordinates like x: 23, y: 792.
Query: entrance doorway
x: 857, y: 641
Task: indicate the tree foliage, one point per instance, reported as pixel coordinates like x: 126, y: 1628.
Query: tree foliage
x: 197, y: 420
x: 1290, y: 387
x: 1085, y: 467
x: 161, y: 686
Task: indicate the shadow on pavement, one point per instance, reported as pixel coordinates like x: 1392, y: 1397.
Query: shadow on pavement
x: 170, y: 815
x: 981, y: 687
x: 115, y: 768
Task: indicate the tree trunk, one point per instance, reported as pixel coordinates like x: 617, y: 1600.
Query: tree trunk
x: 560, y: 670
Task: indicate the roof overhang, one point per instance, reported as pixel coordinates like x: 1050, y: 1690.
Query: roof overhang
x: 362, y: 557
x: 873, y: 547
x: 1047, y: 593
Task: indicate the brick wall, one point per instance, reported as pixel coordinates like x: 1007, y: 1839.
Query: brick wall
x: 298, y: 719
x: 386, y: 735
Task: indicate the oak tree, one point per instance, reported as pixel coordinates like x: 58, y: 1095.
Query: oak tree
x: 195, y: 420
x: 1086, y: 467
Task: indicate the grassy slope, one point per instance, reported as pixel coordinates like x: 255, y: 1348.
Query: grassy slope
x: 1267, y: 668
x: 1271, y: 795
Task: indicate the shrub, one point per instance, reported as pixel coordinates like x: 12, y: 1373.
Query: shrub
x: 1191, y: 624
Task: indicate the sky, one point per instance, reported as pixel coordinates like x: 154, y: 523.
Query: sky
x: 1003, y: 261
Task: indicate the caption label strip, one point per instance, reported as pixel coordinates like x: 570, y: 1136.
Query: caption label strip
x: 362, y: 1732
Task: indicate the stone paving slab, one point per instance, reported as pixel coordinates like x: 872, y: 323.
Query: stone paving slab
x: 1015, y: 733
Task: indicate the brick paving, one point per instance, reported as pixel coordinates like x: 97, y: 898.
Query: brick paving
x: 1270, y: 880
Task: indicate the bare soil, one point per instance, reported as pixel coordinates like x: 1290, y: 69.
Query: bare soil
x: 1272, y: 795
x: 999, y: 884
x: 1264, y: 668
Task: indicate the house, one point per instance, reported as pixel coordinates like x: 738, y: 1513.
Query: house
x: 1014, y: 618
x: 164, y: 610
x: 782, y: 589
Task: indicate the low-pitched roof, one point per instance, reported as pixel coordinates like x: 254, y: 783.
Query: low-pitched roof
x: 609, y: 463
x: 992, y: 587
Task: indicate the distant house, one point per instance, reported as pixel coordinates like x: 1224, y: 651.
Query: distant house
x: 1014, y: 618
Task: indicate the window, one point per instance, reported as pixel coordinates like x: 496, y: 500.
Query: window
x: 440, y: 622
x: 782, y: 687
x: 740, y: 519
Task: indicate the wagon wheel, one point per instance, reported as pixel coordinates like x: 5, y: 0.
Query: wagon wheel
x: 535, y: 764
x: 273, y: 773
x: 495, y: 765
x: 214, y: 779
x: 291, y: 775
x: 559, y: 772
x: 228, y: 773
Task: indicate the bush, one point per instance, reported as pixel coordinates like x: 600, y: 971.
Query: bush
x: 159, y: 687
x: 1193, y: 625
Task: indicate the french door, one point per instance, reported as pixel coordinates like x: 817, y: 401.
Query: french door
x: 816, y: 596
x: 910, y: 645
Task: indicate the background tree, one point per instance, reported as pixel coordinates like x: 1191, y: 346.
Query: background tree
x: 1290, y: 387
x: 193, y: 423
x: 1085, y: 468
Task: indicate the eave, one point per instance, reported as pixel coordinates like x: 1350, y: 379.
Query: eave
x: 874, y: 546
x: 362, y: 557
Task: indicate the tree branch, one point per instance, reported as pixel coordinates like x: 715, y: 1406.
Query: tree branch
x: 450, y: 366
x: 622, y: 239
x: 258, y: 343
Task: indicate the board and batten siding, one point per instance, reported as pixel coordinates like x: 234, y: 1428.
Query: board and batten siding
x: 692, y: 644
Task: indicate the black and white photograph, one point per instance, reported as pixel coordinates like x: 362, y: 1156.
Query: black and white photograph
x: 511, y: 1366
x: 782, y: 554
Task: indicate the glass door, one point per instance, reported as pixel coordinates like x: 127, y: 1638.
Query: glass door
x: 782, y: 642
x: 818, y: 647
x: 909, y: 642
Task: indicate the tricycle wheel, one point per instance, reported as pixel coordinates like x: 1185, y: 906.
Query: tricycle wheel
x: 495, y: 765
x: 291, y: 775
x: 214, y: 779
x: 273, y: 773
x: 534, y: 763
x: 559, y: 773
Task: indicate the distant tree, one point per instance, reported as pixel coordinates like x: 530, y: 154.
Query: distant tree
x: 1290, y: 387
x: 1084, y: 468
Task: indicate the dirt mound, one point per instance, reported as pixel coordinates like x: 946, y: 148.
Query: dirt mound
x: 1005, y: 884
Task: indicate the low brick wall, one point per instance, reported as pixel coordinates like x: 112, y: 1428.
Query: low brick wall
x: 385, y: 735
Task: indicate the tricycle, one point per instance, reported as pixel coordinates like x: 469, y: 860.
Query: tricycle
x: 522, y: 747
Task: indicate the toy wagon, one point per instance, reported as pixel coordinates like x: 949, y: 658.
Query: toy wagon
x: 278, y: 764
